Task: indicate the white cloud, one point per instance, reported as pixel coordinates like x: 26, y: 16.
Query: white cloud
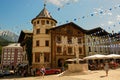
x: 109, y: 14
x: 110, y: 22
x: 60, y: 3
x: 118, y: 17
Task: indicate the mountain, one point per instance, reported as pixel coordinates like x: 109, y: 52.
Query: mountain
x: 4, y: 42
x: 9, y: 36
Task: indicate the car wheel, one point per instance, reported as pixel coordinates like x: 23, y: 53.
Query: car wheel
x: 57, y: 72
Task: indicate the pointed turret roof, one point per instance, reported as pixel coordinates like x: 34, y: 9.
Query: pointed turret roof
x: 44, y: 14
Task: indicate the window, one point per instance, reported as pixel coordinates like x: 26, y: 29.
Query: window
x: 46, y: 57
x: 94, y: 40
x: 34, y: 23
x: 80, y: 50
x: 38, y: 31
x: 105, y: 49
x: 100, y: 49
x: 89, y: 49
x: 59, y: 49
x: 47, y: 22
x: 37, y: 57
x: 95, y: 49
x: 79, y: 40
x: 43, y: 22
x: 51, y: 23
x: 58, y: 39
x: 37, y: 22
x: 88, y: 40
x: 37, y: 43
x: 69, y: 32
x: 46, y: 43
x: 69, y: 50
x: 46, y: 31
x: 69, y: 40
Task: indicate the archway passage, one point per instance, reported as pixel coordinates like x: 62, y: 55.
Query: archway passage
x: 60, y: 62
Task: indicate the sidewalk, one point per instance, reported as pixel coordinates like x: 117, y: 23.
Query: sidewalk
x: 89, y: 75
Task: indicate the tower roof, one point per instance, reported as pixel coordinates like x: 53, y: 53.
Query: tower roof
x: 44, y: 13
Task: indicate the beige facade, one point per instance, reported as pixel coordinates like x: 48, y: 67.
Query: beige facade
x: 52, y: 45
x: 49, y: 51
x: 41, y: 39
x: 95, y: 45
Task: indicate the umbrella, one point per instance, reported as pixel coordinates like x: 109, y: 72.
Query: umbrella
x: 73, y: 59
x: 113, y: 56
x: 96, y: 56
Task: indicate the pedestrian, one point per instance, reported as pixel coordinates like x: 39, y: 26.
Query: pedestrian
x: 106, y: 68
x: 43, y: 71
x: 34, y: 71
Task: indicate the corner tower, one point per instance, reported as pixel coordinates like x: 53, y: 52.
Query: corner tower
x: 41, y: 38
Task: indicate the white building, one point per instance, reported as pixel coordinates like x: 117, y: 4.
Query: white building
x: 11, y: 55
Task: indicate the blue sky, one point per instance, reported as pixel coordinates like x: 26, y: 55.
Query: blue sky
x: 16, y: 15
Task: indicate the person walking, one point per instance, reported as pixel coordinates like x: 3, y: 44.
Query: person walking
x: 106, y: 68
x: 43, y: 71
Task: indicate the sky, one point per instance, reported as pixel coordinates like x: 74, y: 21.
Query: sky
x: 16, y: 15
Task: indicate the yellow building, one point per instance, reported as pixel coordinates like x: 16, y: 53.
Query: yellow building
x: 53, y: 45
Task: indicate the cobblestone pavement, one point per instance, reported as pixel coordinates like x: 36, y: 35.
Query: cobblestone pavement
x: 90, y: 75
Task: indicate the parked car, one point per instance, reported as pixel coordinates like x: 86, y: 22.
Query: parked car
x: 52, y: 71
x: 48, y: 71
x: 1, y: 73
x: 7, y: 73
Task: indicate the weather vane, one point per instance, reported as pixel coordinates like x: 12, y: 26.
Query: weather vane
x: 45, y: 1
